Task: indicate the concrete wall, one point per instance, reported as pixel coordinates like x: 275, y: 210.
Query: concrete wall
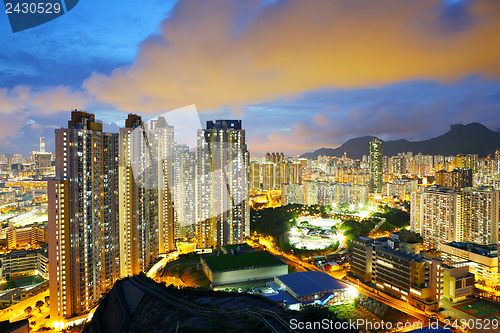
x: 243, y: 275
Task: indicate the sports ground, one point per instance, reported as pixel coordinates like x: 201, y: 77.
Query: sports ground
x: 480, y: 309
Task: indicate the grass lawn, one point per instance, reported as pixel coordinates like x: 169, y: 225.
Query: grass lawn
x: 352, y: 311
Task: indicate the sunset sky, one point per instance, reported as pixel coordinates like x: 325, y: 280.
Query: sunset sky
x: 300, y: 74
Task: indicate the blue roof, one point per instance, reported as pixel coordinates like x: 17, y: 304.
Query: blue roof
x: 311, y: 282
x: 431, y: 330
x: 280, y: 295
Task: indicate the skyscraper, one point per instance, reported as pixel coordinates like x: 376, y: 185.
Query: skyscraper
x: 434, y: 215
x: 184, y: 191
x: 222, y: 184
x: 478, y: 210
x: 161, y: 140
x: 376, y: 166
x: 442, y: 215
x: 42, y: 144
x: 83, y: 216
x: 139, y: 207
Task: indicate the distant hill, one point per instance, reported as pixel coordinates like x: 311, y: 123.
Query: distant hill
x: 473, y: 138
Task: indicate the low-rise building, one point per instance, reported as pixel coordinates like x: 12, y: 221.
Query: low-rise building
x: 21, y: 326
x: 17, y: 295
x: 24, y: 263
x: 408, y: 276
x: 32, y: 235
x: 228, y: 269
x: 458, y: 283
x: 310, y: 287
x: 482, y: 260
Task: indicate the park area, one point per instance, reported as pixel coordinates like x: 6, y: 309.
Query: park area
x: 315, y: 233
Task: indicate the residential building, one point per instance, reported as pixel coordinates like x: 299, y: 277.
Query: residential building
x: 138, y: 196
x: 184, y: 193
x: 456, y: 179
x: 478, y: 211
x: 83, y: 216
x: 222, y: 184
x: 433, y: 215
x: 376, y: 166
x: 161, y: 141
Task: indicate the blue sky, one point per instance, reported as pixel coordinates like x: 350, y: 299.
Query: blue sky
x: 301, y: 75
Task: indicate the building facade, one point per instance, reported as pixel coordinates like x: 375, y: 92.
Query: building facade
x: 138, y: 193
x: 410, y: 277
x: 222, y: 184
x: 433, y: 215
x: 83, y: 216
x: 442, y: 215
x: 376, y: 166
x: 184, y: 192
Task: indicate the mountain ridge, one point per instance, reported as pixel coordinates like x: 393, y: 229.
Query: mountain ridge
x: 473, y: 138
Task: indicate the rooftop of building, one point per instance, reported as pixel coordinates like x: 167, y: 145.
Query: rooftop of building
x: 279, y: 295
x: 224, y: 124
x: 23, y: 253
x: 238, y: 247
x: 478, y: 189
x: 84, y: 120
x: 440, y: 189
x: 311, y: 282
x: 490, y: 251
x: 229, y: 262
x: 16, y: 326
x: 383, y: 239
x: 402, y: 254
x: 364, y: 240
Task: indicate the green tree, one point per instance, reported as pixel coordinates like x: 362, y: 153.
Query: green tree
x: 28, y: 310
x: 39, y: 304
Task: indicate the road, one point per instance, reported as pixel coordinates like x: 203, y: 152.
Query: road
x: 16, y: 311
x: 388, y: 300
x: 382, y: 220
x: 271, y: 248
x: 162, y: 262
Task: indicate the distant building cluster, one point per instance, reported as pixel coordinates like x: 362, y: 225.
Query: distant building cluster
x: 28, y: 236
x: 39, y: 165
x: 442, y: 215
x: 119, y: 200
x: 323, y: 193
x: 269, y: 175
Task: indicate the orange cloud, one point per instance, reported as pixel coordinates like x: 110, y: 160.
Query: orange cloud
x: 205, y: 55
x: 52, y: 100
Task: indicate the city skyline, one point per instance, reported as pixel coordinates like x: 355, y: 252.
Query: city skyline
x: 297, y: 81
x: 154, y: 155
